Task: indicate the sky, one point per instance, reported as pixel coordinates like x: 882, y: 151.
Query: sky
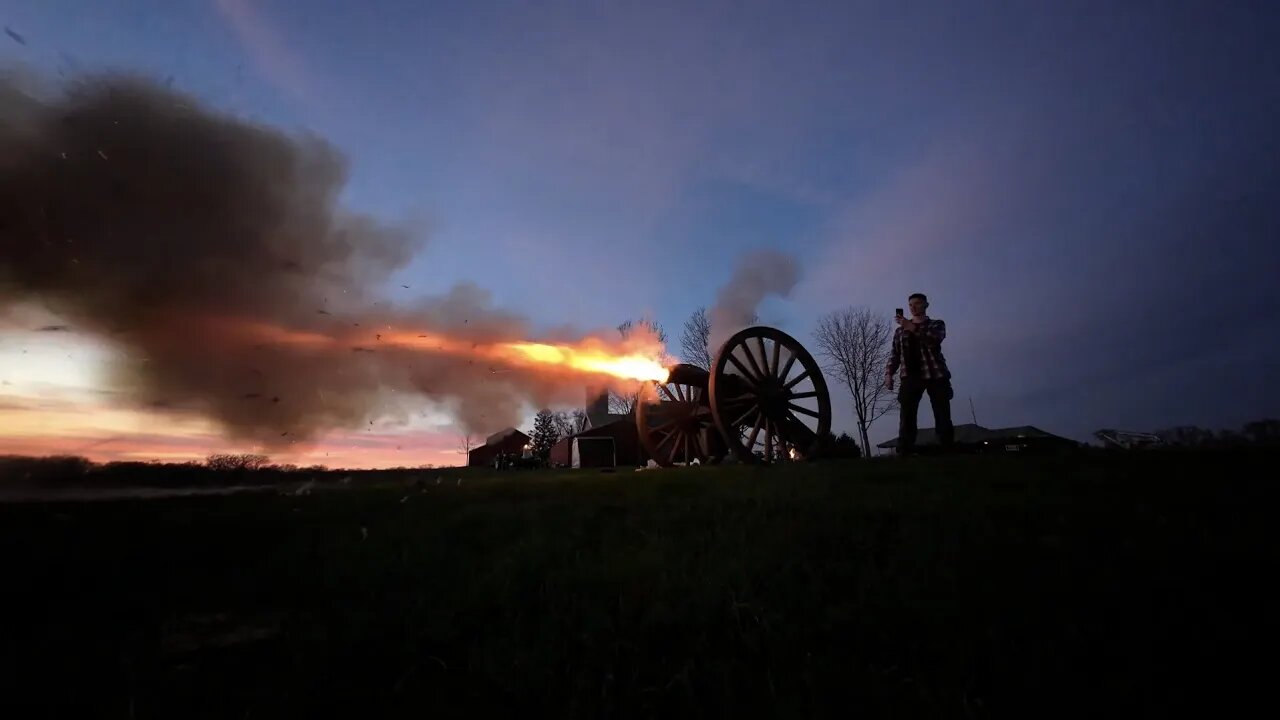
x: 1087, y: 191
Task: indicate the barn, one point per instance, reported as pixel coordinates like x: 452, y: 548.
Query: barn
x: 506, y: 441
x: 608, y: 441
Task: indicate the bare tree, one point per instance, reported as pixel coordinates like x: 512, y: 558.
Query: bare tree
x: 565, y: 424
x: 695, y: 340
x: 856, y: 344
x: 579, y: 418
x: 623, y: 403
x: 467, y: 442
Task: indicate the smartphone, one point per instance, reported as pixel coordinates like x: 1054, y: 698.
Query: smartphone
x: 898, y: 311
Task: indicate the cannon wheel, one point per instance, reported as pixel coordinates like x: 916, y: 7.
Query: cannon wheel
x: 769, y: 398
x: 674, y: 418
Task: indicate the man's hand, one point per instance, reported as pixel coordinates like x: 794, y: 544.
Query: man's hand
x: 907, y: 324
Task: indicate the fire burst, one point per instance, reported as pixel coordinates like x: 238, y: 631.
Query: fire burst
x: 587, y: 356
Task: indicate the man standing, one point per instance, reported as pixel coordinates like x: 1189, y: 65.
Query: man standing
x: 917, y: 352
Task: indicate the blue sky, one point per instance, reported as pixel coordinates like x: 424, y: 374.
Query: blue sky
x: 1086, y: 190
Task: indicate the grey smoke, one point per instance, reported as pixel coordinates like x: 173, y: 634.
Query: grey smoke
x: 757, y: 275
x: 142, y: 216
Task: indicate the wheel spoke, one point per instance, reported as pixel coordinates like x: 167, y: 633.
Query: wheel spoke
x: 745, y: 372
x: 791, y: 360
x: 777, y: 357
x: 806, y: 394
x: 796, y: 380
x: 743, y: 416
x: 751, y: 443
x: 802, y: 410
x: 764, y: 358
x: 666, y: 438
x: 665, y: 391
x: 768, y: 441
x: 751, y: 360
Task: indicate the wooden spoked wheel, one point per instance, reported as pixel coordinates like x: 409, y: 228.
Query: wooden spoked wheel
x: 769, y: 398
x: 674, y: 418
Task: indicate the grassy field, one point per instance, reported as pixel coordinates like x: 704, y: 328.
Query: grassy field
x: 946, y: 587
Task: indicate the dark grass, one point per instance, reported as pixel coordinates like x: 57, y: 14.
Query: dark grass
x: 948, y: 587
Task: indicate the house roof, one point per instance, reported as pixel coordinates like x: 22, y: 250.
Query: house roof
x: 502, y: 435
x: 970, y: 433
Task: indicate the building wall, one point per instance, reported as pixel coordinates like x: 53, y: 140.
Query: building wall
x: 560, y: 452
x: 626, y: 441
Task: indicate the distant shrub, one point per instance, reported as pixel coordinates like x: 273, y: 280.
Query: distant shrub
x: 56, y: 468
x: 237, y: 462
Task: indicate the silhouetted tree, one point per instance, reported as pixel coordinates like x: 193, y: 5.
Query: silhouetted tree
x: 693, y: 340
x: 545, y: 434
x: 1187, y: 436
x: 468, y: 442
x: 855, y: 342
x: 842, y: 446
x: 224, y: 462
x: 564, y: 423
x: 1263, y: 432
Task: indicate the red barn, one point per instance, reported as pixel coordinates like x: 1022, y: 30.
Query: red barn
x: 510, y: 440
x: 613, y: 444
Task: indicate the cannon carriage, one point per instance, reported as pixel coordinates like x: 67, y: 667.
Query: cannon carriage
x: 763, y: 401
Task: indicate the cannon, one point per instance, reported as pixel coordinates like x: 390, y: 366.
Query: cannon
x: 763, y: 401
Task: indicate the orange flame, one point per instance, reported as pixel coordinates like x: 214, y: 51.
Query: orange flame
x: 588, y: 356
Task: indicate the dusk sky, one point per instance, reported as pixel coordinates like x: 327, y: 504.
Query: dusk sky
x: 1087, y: 191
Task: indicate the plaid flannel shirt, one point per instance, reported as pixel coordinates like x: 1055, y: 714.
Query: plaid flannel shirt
x: 929, y: 338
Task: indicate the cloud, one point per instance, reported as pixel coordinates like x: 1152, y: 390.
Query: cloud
x: 214, y: 254
x: 268, y: 48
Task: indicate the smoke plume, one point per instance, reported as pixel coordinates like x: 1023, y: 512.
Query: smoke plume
x: 138, y: 214
x: 757, y: 275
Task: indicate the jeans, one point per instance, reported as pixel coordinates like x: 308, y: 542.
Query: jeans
x: 910, y: 392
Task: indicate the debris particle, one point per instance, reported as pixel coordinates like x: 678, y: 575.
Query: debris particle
x: 102, y: 155
x: 14, y: 34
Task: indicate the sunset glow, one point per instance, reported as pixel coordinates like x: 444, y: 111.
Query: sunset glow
x: 56, y: 398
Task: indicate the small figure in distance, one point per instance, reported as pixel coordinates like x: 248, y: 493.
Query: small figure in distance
x: 917, y: 355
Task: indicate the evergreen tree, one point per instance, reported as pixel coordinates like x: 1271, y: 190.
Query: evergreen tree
x: 545, y: 433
